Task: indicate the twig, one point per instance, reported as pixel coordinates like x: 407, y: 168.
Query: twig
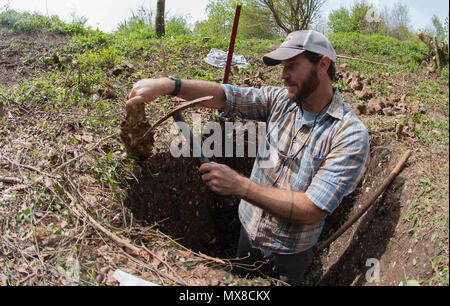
x: 84, y: 154
x: 10, y: 180
x: 31, y: 168
x: 205, y: 257
x: 369, y: 202
x: 362, y: 60
x: 166, y: 264
x: 81, y: 212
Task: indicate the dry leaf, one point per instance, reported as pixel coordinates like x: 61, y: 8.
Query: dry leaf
x: 185, y: 253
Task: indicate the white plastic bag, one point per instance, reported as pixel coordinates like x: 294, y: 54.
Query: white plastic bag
x: 218, y: 58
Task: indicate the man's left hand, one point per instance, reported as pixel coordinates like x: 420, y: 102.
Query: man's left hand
x: 223, y: 180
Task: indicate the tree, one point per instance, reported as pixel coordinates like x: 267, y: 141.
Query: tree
x: 257, y: 22
x: 292, y: 15
x: 439, y: 30
x: 362, y: 18
x: 339, y: 21
x: 220, y: 18
x: 160, y: 24
x: 398, y: 22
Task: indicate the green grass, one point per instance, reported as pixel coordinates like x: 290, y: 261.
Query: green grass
x: 34, y: 22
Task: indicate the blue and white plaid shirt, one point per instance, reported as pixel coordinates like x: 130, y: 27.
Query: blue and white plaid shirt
x: 325, y: 161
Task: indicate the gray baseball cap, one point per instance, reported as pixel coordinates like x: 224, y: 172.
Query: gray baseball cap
x: 298, y: 42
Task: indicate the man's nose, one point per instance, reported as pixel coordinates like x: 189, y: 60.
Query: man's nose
x: 284, y: 74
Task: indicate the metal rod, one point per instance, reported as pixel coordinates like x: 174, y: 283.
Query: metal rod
x: 232, y: 41
x: 187, y: 133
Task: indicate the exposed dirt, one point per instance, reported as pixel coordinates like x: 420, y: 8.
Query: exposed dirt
x: 22, y: 54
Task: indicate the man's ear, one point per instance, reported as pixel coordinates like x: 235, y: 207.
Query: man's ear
x: 324, y: 64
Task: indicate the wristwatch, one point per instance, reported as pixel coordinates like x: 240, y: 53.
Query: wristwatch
x: 177, y: 85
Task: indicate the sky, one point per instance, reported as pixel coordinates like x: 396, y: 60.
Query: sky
x: 107, y: 14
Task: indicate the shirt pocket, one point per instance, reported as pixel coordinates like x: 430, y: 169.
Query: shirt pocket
x: 304, y: 169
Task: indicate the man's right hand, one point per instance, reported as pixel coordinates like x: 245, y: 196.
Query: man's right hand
x: 147, y: 90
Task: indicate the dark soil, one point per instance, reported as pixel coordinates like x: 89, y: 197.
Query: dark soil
x: 170, y: 192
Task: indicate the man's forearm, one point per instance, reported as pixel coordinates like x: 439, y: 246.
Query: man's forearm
x: 194, y: 89
x: 288, y: 205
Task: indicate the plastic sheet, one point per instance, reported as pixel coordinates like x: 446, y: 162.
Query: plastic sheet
x: 218, y: 58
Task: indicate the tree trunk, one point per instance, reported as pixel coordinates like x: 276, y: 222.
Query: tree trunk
x: 160, y: 24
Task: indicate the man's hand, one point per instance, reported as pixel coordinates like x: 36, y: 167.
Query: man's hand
x: 148, y: 90
x: 223, y: 180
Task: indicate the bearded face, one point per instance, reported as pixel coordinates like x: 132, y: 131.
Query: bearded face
x: 304, y: 88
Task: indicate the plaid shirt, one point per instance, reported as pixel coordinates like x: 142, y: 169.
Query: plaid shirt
x: 325, y: 161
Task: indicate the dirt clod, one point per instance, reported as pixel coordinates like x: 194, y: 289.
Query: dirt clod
x: 133, y: 133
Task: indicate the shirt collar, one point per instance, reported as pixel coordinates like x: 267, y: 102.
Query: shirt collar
x: 336, y: 109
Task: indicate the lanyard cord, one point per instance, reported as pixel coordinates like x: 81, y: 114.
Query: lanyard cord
x: 296, y: 134
x: 291, y: 158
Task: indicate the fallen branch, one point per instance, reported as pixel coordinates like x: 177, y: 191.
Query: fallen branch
x: 81, y: 213
x: 31, y: 168
x: 10, y: 180
x: 369, y: 202
x: 361, y: 60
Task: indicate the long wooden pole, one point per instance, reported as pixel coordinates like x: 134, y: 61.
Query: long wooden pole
x: 369, y: 202
x: 232, y: 42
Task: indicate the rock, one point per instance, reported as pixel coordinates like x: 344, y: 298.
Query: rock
x: 361, y: 109
x: 108, y: 93
x: 388, y: 103
x: 365, y: 93
x: 355, y: 75
x: 387, y: 111
x: 375, y: 106
x: 355, y: 84
x: 346, y: 77
x: 402, y: 107
x: 416, y: 108
x: 403, y: 98
x: 395, y: 98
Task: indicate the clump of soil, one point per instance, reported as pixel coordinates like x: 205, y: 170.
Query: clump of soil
x: 133, y: 132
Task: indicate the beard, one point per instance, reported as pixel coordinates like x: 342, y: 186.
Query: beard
x: 308, y: 86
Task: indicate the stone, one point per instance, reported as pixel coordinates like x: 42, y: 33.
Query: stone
x: 365, y: 93
x: 361, y: 109
x: 375, y: 106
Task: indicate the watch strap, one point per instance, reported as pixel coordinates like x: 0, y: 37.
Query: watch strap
x: 177, y: 86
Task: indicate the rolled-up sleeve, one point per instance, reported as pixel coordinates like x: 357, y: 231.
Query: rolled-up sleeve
x: 248, y: 102
x: 342, y: 169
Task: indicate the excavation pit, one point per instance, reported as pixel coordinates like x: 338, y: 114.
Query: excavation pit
x: 169, y: 192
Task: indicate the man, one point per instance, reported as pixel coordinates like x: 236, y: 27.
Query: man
x: 321, y: 152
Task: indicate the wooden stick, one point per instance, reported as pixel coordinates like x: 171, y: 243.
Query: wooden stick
x: 80, y: 212
x: 362, y: 60
x: 10, y: 180
x: 369, y: 202
x: 438, y: 56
